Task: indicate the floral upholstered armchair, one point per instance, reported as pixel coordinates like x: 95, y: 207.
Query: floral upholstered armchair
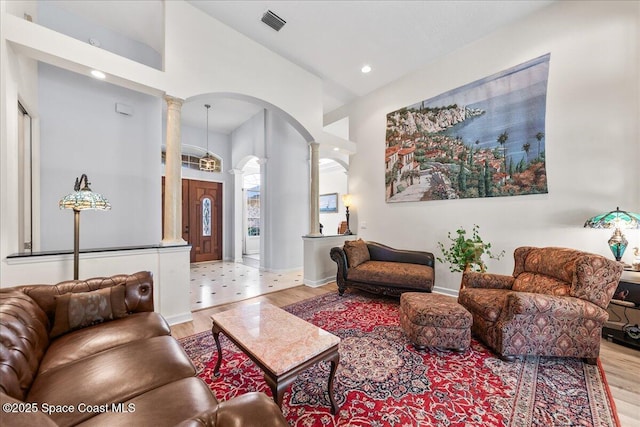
x: 553, y: 305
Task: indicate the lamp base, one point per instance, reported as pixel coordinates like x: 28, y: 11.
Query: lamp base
x: 618, y: 244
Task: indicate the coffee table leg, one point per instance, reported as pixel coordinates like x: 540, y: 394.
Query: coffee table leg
x: 335, y: 360
x: 277, y: 388
x: 216, y: 336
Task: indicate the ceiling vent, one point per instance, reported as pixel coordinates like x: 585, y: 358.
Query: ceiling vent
x: 273, y: 20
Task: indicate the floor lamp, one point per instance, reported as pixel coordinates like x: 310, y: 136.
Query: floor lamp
x: 81, y: 199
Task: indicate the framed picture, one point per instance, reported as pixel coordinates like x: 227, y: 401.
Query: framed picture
x: 483, y: 139
x: 329, y: 203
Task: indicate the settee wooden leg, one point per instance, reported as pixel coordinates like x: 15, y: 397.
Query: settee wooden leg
x: 591, y: 360
x: 420, y: 347
x: 507, y: 358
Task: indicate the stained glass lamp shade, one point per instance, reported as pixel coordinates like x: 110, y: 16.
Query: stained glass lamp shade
x: 618, y: 220
x: 81, y: 199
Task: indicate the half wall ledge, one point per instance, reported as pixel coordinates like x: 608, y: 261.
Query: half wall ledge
x: 319, y: 268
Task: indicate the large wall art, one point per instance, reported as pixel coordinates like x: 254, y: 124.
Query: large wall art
x: 484, y: 139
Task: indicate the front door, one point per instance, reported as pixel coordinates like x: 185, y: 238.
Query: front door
x: 201, y: 218
x: 205, y: 220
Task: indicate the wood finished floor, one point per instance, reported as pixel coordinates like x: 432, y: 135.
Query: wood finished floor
x: 621, y: 364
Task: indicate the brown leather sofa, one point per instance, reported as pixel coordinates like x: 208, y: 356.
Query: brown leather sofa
x: 125, y: 371
x: 380, y: 269
x: 554, y: 303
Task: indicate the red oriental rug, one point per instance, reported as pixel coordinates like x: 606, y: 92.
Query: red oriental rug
x: 383, y: 381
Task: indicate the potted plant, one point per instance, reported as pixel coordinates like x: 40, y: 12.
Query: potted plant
x: 465, y: 253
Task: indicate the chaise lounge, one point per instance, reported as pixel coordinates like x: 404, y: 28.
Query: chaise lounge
x: 380, y: 269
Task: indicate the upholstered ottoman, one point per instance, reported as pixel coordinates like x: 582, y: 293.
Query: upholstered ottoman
x: 435, y: 320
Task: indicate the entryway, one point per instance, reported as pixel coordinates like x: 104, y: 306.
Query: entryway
x: 201, y: 218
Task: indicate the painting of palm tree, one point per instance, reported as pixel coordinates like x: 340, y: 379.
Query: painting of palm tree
x: 472, y: 141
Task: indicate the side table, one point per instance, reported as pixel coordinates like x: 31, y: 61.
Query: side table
x: 624, y: 313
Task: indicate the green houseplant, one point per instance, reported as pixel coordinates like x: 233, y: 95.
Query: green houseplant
x: 465, y: 253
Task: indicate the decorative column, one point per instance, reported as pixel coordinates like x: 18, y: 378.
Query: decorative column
x: 173, y: 175
x: 314, y: 211
x: 238, y: 218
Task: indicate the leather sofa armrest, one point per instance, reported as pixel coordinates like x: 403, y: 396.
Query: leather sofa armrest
x: 248, y: 410
x: 340, y: 257
x: 380, y: 252
x: 17, y: 413
x: 471, y: 279
x: 527, y: 303
x: 138, y: 296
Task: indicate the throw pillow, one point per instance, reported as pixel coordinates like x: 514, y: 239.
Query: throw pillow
x: 357, y: 252
x: 78, y: 310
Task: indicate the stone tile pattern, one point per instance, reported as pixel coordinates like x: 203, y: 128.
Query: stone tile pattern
x: 221, y: 282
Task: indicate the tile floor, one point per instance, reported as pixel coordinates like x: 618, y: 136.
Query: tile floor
x: 221, y: 282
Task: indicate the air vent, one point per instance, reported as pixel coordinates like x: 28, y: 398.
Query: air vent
x: 273, y: 20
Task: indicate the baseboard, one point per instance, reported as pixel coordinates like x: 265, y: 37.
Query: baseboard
x: 445, y: 291
x: 318, y: 283
x: 179, y: 318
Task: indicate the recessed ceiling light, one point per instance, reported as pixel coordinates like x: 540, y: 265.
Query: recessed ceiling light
x: 336, y: 149
x: 98, y: 74
x: 366, y: 69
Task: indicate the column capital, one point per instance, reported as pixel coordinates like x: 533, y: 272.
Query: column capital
x: 172, y: 101
x: 314, y: 144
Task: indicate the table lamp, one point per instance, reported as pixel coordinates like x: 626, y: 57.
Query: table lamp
x: 81, y: 199
x: 346, y: 201
x: 618, y: 220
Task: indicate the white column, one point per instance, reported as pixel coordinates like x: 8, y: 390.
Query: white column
x: 238, y: 209
x: 173, y: 175
x: 314, y: 211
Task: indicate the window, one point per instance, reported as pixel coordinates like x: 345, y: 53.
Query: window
x: 253, y: 211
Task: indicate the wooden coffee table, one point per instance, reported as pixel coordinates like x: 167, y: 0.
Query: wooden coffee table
x: 281, y: 344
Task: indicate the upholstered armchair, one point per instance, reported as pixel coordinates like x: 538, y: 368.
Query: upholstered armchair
x: 554, y: 304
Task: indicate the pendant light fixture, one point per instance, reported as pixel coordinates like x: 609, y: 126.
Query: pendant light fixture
x: 208, y: 163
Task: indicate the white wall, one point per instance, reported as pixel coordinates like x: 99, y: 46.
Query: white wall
x: 52, y: 16
x: 284, y: 186
x: 285, y: 194
x: 592, y: 137
x: 82, y: 133
x: 333, y: 181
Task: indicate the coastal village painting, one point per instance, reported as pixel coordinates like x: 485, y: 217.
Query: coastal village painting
x: 484, y: 139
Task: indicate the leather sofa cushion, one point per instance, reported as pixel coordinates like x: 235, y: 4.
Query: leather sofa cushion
x: 24, y: 337
x: 487, y: 303
x: 416, y: 276
x: 82, y: 309
x: 164, y: 406
x: 94, y: 339
x: 112, y: 376
x: 357, y: 252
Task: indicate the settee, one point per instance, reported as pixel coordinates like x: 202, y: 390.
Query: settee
x: 94, y: 353
x: 554, y: 303
x: 380, y: 269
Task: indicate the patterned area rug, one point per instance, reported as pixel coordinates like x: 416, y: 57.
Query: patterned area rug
x: 383, y: 381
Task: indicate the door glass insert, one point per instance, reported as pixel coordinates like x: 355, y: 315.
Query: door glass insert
x: 206, y: 217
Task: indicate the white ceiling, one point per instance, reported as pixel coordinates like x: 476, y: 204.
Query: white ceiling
x: 334, y: 39
x: 331, y: 39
